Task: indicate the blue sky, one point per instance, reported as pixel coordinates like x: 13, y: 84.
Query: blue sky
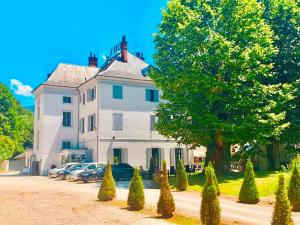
x: 36, y: 35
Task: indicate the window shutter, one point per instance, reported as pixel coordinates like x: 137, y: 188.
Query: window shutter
x: 148, y: 157
x: 152, y: 122
x: 120, y: 121
x: 94, y: 121
x: 172, y: 157
x: 147, y: 95
x: 124, y: 155
x: 155, y: 95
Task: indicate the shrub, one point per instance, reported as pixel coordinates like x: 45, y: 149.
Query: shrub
x: 210, y: 211
x: 165, y: 205
x: 282, y: 208
x: 108, y: 189
x: 136, y: 197
x: 249, y: 192
x: 214, y: 178
x: 157, y: 178
x: 151, y: 169
x: 181, y: 177
x: 294, y: 189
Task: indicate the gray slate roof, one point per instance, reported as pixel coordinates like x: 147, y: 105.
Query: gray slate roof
x: 130, y: 70
x: 70, y: 75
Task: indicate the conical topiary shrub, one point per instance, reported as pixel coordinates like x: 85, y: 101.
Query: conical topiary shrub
x: 181, y: 177
x: 136, y: 197
x: 107, y: 189
x: 282, y: 209
x: 165, y: 205
x: 249, y: 192
x: 294, y: 189
x: 214, y: 178
x: 210, y: 211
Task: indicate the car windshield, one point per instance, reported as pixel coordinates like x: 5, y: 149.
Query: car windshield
x: 76, y: 166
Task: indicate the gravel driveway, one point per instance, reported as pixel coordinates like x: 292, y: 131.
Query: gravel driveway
x: 44, y: 201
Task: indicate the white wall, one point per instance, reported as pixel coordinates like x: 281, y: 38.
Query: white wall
x: 89, y: 138
x: 51, y: 131
x: 134, y: 107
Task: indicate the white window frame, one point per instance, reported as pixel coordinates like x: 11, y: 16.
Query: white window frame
x: 66, y: 96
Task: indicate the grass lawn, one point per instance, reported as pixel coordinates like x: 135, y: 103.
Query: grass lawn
x: 231, y: 183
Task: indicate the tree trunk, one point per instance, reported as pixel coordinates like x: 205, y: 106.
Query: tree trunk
x: 219, y: 158
x: 273, y: 152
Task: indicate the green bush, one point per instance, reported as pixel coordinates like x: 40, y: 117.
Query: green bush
x: 165, y: 205
x: 214, y: 179
x: 136, y: 197
x: 210, y: 211
x: 181, y: 177
x: 107, y: 189
x: 249, y: 192
x: 282, y: 208
x: 294, y: 189
x: 157, y: 178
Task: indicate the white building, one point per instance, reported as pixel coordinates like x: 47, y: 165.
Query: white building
x: 104, y: 114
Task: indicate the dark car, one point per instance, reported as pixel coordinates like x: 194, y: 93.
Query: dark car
x: 120, y: 171
x: 63, y: 173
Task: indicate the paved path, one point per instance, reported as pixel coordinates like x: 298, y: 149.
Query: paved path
x: 186, y: 202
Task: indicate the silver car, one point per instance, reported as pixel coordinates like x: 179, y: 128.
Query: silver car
x: 53, y: 172
x: 75, y: 175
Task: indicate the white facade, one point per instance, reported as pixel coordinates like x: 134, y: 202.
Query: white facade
x: 120, y: 128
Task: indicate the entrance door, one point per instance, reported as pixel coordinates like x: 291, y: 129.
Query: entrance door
x: 155, y: 157
x: 178, y: 155
x: 117, y: 155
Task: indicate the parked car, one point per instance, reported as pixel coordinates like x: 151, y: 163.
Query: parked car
x: 76, y: 174
x: 53, y: 172
x: 65, y: 172
x: 92, y: 175
x: 120, y: 171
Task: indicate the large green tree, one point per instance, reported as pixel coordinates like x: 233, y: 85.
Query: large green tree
x: 211, y: 58
x: 283, y: 16
x: 16, y: 125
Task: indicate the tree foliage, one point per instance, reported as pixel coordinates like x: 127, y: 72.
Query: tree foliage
x: 210, y: 211
x: 16, y: 125
x: 249, y: 192
x: 107, y: 189
x: 283, y: 16
x: 212, y: 58
x: 136, y: 196
x: 294, y: 189
x: 165, y: 205
x: 181, y: 177
x: 282, y: 208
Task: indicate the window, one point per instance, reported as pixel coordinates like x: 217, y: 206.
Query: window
x: 117, y: 91
x: 91, y: 94
x: 151, y: 95
x: 66, y: 144
x: 153, y: 120
x: 92, y: 122
x: 117, y: 121
x: 67, y: 121
x: 83, y: 98
x: 67, y: 100
x: 81, y: 125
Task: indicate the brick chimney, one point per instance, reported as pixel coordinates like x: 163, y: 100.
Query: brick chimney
x: 124, y: 50
x: 93, y: 60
